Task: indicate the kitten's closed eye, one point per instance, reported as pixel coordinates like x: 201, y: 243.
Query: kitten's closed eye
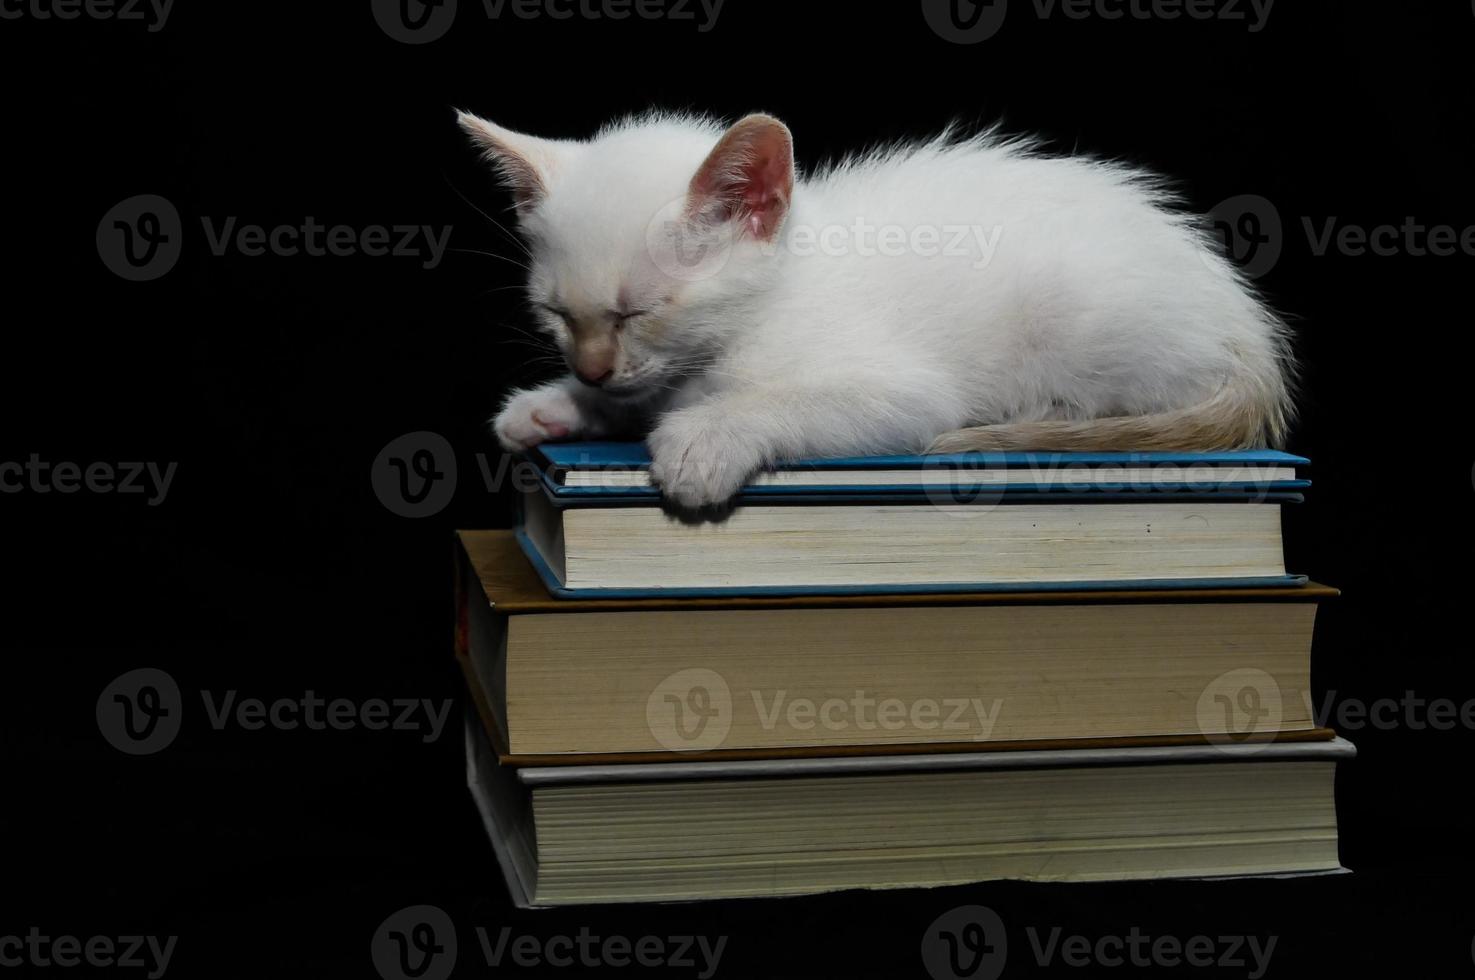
x: 617, y: 318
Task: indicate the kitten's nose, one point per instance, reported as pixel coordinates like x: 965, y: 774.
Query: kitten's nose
x: 594, y: 381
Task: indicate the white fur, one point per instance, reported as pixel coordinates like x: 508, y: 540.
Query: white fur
x: 1097, y: 300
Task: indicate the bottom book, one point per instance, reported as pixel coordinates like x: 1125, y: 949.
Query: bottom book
x: 682, y: 831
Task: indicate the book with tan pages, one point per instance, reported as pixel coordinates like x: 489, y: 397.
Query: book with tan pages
x: 684, y: 831
x: 609, y: 680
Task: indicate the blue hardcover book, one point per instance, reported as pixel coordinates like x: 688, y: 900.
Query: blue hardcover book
x: 595, y: 527
x: 620, y: 471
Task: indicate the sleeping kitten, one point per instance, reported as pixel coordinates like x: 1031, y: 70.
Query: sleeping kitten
x: 960, y: 294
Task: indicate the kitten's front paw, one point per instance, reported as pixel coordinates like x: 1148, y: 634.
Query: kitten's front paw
x: 699, y: 458
x: 533, y: 417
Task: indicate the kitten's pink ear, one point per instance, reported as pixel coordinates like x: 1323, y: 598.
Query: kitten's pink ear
x: 525, y: 163
x: 748, y: 176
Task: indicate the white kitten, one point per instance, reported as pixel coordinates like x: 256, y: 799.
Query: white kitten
x: 961, y: 294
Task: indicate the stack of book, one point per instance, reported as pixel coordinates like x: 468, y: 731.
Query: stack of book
x: 895, y: 672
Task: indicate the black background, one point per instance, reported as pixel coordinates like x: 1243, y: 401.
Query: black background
x: 272, y: 567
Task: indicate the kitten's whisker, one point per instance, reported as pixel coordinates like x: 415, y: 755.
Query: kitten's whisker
x: 493, y: 255
x: 494, y: 222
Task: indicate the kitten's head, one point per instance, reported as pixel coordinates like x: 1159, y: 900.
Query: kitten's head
x: 647, y: 241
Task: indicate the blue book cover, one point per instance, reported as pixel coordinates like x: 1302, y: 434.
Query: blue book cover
x: 616, y: 472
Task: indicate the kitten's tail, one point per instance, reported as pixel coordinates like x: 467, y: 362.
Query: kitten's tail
x: 1247, y: 412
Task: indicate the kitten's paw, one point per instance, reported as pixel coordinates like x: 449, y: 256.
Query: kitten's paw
x: 533, y: 417
x: 700, y: 458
